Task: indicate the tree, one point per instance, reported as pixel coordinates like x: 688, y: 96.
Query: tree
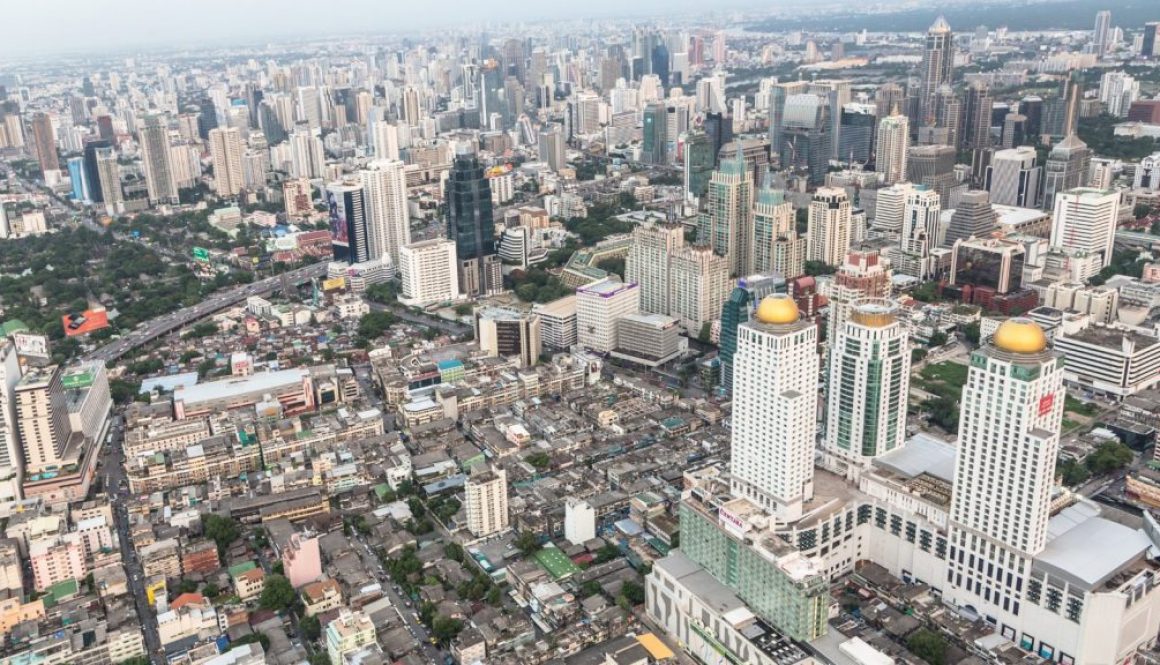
x: 814, y: 268
x: 221, y: 530
x: 607, y: 553
x: 971, y: 332
x: 937, y: 340
x: 539, y: 459
x: 590, y: 588
x: 186, y: 586
x: 1141, y: 210
x: 926, y: 292
x: 633, y: 592
x: 527, y: 543
x: 372, y: 325
x: 277, y: 594
x: 445, y: 628
x: 614, y: 265
x: 310, y: 628
x: 463, y: 309
x: 706, y: 333
x: 210, y: 590
x: 453, y: 551
x: 929, y: 646
x: 1108, y: 457
x: 944, y: 412
x: 1071, y: 473
x: 917, y: 355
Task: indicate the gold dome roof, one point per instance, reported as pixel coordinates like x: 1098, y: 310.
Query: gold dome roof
x: 778, y: 308
x: 1019, y: 335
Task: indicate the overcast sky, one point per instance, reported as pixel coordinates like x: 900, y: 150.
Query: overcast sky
x: 38, y: 26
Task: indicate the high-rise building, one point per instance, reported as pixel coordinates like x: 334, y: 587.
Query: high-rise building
x: 1147, y: 173
x: 307, y: 159
x: 1084, y: 219
x: 226, y: 150
x: 990, y: 263
x: 297, y: 197
x: 777, y: 247
x: 470, y: 223
x: 155, y: 156
x: 410, y: 108
x: 973, y: 217
x: 42, y: 419
x: 1012, y: 408
x: 78, y: 180
x: 937, y: 69
x: 1066, y: 168
x: 933, y: 166
x: 509, y: 333
x: 92, y: 172
x: 44, y: 141
x: 109, y: 179
x: 830, y: 226
x: 1150, y: 44
x: 388, y: 218
x: 648, y: 264
x: 1102, y: 33
x: 428, y: 272
x: 890, y: 206
x: 385, y: 139
x: 700, y: 158
x: 1013, y: 177
x: 551, y: 148
x: 775, y: 396
x: 726, y: 224
x: 598, y: 306
x: 976, y: 134
x: 922, y: 232
x: 868, y: 384
x: 1117, y: 92
x: 859, y: 124
x: 699, y: 283
x: 11, y: 465
x: 654, y: 145
x: 806, y: 139
x: 893, y: 147
x: 349, y: 233
x: 865, y: 273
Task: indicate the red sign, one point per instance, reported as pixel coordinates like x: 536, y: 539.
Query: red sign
x: 1045, y: 403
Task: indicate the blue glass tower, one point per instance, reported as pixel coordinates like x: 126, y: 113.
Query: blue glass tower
x: 76, y: 175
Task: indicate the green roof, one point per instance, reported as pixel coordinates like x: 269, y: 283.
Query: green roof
x: 381, y: 490
x: 12, y: 326
x: 59, y: 591
x: 239, y: 568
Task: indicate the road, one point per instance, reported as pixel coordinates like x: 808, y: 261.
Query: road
x: 449, y: 327
x: 164, y: 325
x: 407, y: 614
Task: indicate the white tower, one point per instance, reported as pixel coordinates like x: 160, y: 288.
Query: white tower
x: 775, y: 397
x: 893, y: 146
x: 830, y: 226
x: 388, y: 220
x: 1085, y: 220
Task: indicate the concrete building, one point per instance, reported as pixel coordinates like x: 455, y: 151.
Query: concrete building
x: 922, y: 233
x: 486, y: 499
x: 830, y: 226
x: 973, y: 217
x: 1110, y: 362
x: 893, y: 148
x: 57, y: 559
x: 291, y: 389
x: 579, y: 521
x: 698, y: 285
x: 777, y: 247
x: 226, y: 149
x: 155, y: 157
x: 598, y: 306
x: 301, y: 560
x: 11, y: 465
x: 42, y: 419
x: 1085, y: 220
x: 349, y: 633
x: 726, y: 225
x: 388, y: 219
x: 557, y: 323
x: 428, y: 273
x: 1013, y: 177
x: 648, y: 263
x: 647, y: 339
x: 509, y: 333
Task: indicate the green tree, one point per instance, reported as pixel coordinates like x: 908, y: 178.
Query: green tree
x: 926, y: 292
x: 539, y: 459
x: 614, y: 265
x: 589, y: 588
x: 463, y: 309
x: 633, y: 592
x: 277, y: 594
x: 706, y: 332
x: 814, y: 268
x: 971, y: 332
x: 1141, y: 210
x: 527, y: 543
x: 310, y: 628
x: 444, y: 629
x: 1071, y: 473
x: 1108, y: 457
x: 607, y: 553
x: 453, y: 551
x: 928, y: 645
x: 373, y: 325
x: 937, y: 339
x: 221, y: 530
x: 944, y: 412
x: 210, y: 590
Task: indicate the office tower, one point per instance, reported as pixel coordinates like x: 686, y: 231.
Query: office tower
x: 551, y: 147
x: 859, y: 125
x: 976, y: 134
x: 428, y: 273
x: 937, y: 69
x: 42, y: 419
x: 699, y: 283
x: 805, y: 139
x: 109, y: 179
x: 1117, y: 92
x: 719, y: 128
x: 660, y: 63
x: 385, y: 139
x: 888, y: 98
x: 155, y: 155
x: 777, y: 247
x: 486, y: 498
x: 349, y: 233
x: 647, y: 264
x: 726, y: 224
x: 471, y: 225
x: 11, y: 467
x: 775, y: 397
x: 830, y: 226
x: 388, y: 217
x: 1150, y: 45
x: 893, y: 147
x: 44, y: 141
x: 410, y: 110
x: 1014, y: 131
x: 1147, y: 173
x: 933, y: 166
x: 973, y: 217
x: 509, y: 333
x: 78, y: 181
x: 1013, y: 177
x: 865, y: 273
x: 1084, y: 219
x: 297, y: 197
x: 868, y: 384
x: 653, y: 147
x: 307, y: 159
x: 990, y: 263
x: 921, y: 232
x: 225, y: 149
x: 699, y: 161
x: 1012, y: 407
x: 598, y: 306
x: 738, y: 309
x: 92, y: 172
x: 1066, y: 168
x: 1031, y: 107
x: 270, y: 122
x: 308, y: 110
x: 889, y: 207
x: 1101, y: 35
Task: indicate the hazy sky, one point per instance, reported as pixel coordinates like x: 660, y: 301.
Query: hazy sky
x: 38, y: 26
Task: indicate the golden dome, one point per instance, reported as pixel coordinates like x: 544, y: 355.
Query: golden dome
x: 778, y: 308
x: 1019, y: 335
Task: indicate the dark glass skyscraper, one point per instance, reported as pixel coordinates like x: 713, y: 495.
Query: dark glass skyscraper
x: 737, y: 309
x: 470, y: 223
x: 655, y: 134
x: 660, y: 63
x: 92, y: 175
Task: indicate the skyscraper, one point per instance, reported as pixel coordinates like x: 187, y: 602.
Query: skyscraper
x: 388, y: 219
x: 225, y: 148
x: 44, y: 140
x: 1013, y: 177
x: 109, y: 179
x: 700, y: 160
x: 551, y: 148
x: 893, y: 147
x: 776, y: 244
x: 80, y: 185
x: 11, y: 467
x: 830, y: 226
x: 42, y: 418
x: 306, y: 154
x: 976, y: 134
x: 1117, y: 92
x: 1012, y: 407
x: 859, y: 124
x: 1084, y: 219
x: 699, y: 283
x: 652, y: 149
x: 1101, y: 34
x: 155, y: 155
x: 973, y: 216
x: 647, y: 264
x: 471, y: 225
x: 921, y: 233
x: 806, y: 138
x: 937, y: 68
x: 726, y: 225
x: 868, y: 384
x: 737, y: 309
x: 385, y: 139
x: 1066, y: 168
x: 349, y: 235
x: 864, y: 274
x: 775, y: 388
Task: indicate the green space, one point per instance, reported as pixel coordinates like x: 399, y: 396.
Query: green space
x: 1073, y: 405
x: 1099, y: 134
x: 1106, y: 458
x: 556, y: 563
x: 945, y: 381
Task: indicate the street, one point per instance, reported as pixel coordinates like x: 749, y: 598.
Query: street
x: 402, y: 605
x: 405, y: 314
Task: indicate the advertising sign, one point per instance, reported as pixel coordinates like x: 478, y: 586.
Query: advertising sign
x: 76, y: 380
x: 339, y: 226
x: 332, y: 284
x: 31, y: 345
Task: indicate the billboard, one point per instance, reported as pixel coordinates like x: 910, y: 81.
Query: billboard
x: 84, y: 323
x: 31, y: 345
x: 201, y: 254
x: 77, y: 380
x: 334, y: 283
x: 339, y: 226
